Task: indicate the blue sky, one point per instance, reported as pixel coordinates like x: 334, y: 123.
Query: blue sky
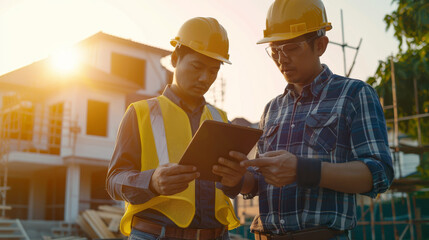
x: 32, y: 29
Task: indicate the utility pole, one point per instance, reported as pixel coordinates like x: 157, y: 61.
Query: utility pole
x: 217, y: 91
x: 344, y: 45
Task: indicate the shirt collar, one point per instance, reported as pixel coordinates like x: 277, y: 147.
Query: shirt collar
x: 320, y: 81
x: 176, y: 99
x: 316, y: 86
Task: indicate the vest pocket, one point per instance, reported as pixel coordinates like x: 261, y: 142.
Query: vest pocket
x: 320, y: 131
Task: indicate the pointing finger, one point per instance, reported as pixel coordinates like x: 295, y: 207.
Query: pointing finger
x: 258, y: 162
x: 180, y: 169
x: 238, y: 155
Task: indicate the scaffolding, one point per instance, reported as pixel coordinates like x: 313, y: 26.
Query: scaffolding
x: 33, y: 127
x: 403, y: 189
x: 4, y: 158
x: 3, y: 176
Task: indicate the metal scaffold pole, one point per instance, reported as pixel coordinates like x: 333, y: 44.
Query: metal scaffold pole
x: 395, y: 118
x: 4, y: 154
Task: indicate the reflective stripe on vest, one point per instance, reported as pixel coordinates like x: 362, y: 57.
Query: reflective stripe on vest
x: 215, y: 114
x: 158, y: 128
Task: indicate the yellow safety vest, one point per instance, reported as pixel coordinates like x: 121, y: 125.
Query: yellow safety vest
x: 165, y: 132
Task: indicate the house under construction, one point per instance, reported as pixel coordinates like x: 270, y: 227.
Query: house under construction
x: 59, y: 123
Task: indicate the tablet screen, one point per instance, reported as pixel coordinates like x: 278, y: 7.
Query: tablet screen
x: 215, y: 139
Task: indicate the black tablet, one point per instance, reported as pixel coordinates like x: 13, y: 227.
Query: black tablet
x: 215, y: 139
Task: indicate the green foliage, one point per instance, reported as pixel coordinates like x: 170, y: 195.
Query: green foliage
x: 410, y: 22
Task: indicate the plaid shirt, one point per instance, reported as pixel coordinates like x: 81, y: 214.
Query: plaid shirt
x: 336, y: 120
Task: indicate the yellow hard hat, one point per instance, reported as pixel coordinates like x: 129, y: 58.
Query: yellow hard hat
x: 287, y: 19
x: 204, y: 35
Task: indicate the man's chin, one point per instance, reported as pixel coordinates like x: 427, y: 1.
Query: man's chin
x: 290, y: 79
x: 194, y: 96
x: 197, y: 93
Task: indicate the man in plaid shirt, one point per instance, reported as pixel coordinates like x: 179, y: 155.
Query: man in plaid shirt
x: 324, y: 138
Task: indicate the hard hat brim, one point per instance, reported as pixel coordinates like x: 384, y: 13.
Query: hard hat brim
x: 287, y: 36
x: 218, y: 57
x: 278, y: 37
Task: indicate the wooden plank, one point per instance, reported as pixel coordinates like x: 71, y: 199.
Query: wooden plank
x: 114, y: 225
x: 6, y: 207
x: 12, y: 236
x: 91, y: 223
x: 108, y: 215
x: 102, y: 229
x: 64, y: 238
x: 86, y: 227
x: 112, y: 209
x: 70, y: 238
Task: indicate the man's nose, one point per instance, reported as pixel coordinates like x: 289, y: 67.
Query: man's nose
x: 283, y: 58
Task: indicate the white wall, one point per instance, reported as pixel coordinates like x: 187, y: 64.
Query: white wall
x: 100, y: 56
x: 98, y: 147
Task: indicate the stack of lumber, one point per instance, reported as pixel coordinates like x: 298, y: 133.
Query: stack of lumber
x: 101, y: 223
x: 65, y: 238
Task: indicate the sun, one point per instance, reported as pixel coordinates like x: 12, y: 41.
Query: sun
x: 65, y: 60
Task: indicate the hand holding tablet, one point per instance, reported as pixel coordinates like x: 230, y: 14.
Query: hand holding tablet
x: 214, y: 140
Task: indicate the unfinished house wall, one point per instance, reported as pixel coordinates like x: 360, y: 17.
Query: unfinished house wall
x: 92, y: 143
x: 62, y: 132
x: 154, y: 79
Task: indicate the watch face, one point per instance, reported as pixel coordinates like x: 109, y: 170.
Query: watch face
x: 248, y: 196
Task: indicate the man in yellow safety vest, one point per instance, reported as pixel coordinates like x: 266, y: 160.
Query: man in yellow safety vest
x: 165, y: 200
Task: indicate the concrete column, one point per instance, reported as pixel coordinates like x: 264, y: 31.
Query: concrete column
x: 71, y: 208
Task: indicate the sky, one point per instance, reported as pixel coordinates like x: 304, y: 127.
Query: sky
x: 31, y: 30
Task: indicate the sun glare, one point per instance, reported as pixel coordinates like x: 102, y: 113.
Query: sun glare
x: 65, y: 60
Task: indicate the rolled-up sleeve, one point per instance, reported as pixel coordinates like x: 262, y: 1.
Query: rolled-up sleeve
x: 369, y: 139
x: 124, y: 179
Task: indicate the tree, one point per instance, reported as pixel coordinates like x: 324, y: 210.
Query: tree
x: 410, y: 22
x: 411, y: 27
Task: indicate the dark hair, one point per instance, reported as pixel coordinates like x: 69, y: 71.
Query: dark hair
x: 182, y: 50
x: 313, y: 36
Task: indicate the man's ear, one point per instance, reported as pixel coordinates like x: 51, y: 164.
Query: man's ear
x: 174, y: 59
x: 321, y: 45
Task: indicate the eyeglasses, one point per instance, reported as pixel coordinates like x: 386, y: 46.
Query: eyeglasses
x: 288, y: 49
